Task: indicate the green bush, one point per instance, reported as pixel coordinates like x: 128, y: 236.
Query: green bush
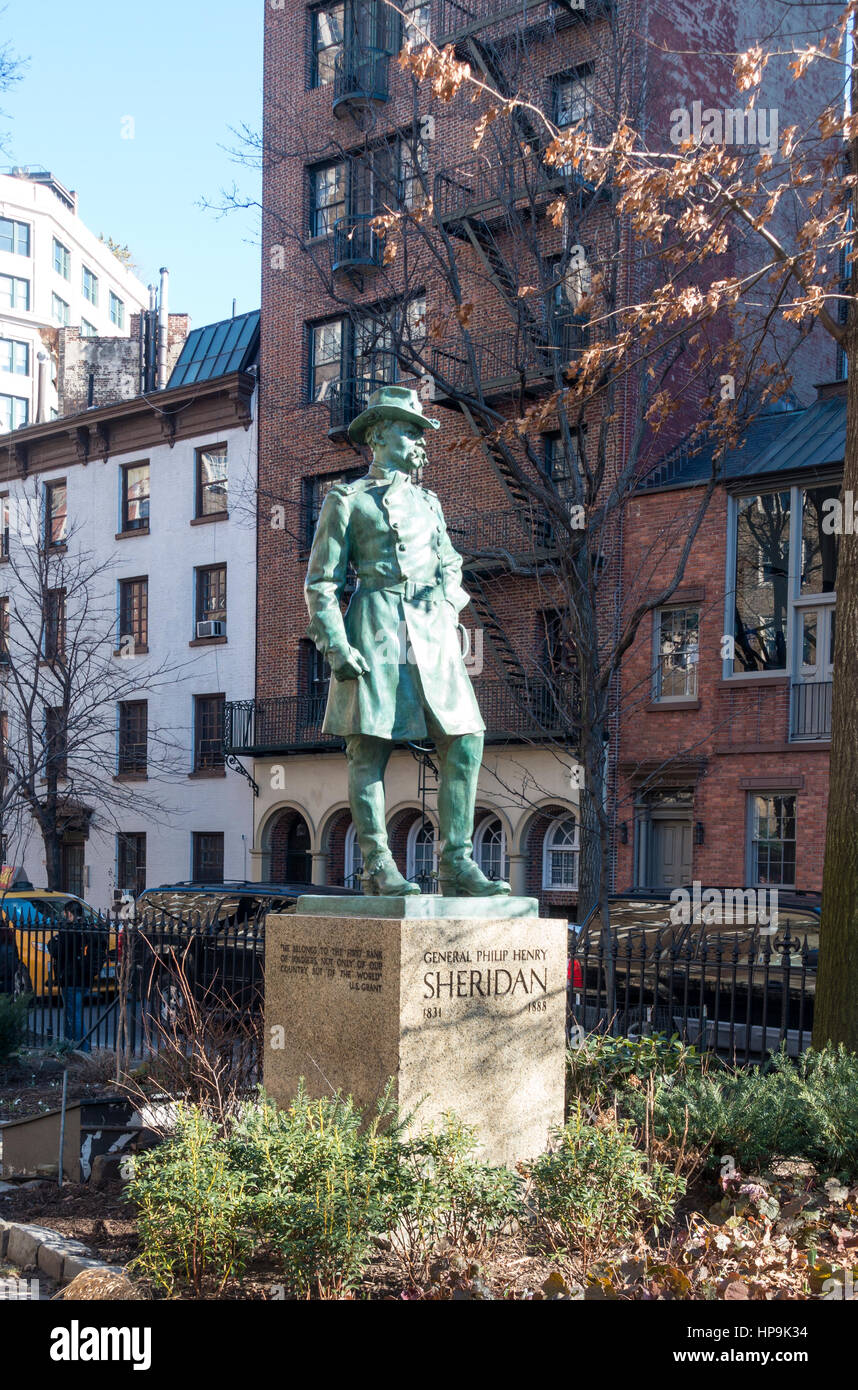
x: 604, y: 1065
x: 13, y: 1026
x: 806, y: 1109
x: 189, y: 1203
x: 597, y: 1188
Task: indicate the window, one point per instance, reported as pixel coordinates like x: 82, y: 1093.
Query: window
x: 573, y: 98
x: 762, y: 582
x: 207, y: 848
x: 677, y: 632
x: 772, y: 847
x: 313, y: 673
x: 415, y: 320
x: 14, y: 356
x: 328, y: 183
x: 60, y: 311
x: 564, y: 463
x: 56, y: 514
x: 14, y: 412
x: 14, y: 293
x: 89, y: 285
x: 326, y: 357
x: 117, y: 310
x: 212, y: 481
x: 208, y: 732
x: 4, y: 526
x: 135, y: 497
x: 421, y: 855
x: 490, y: 848
x: 416, y: 21
x: 56, y: 741
x: 133, y: 616
x: 4, y: 632
x: 413, y: 166
x: 14, y: 237
x: 327, y: 25
x: 131, y: 863
x: 87, y: 329
x: 55, y: 624
x: 132, y: 757
x: 211, y: 594
x: 352, y: 860
x: 560, y: 855
x: 819, y: 544
x: 62, y: 260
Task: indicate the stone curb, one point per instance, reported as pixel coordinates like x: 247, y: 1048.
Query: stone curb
x: 57, y: 1257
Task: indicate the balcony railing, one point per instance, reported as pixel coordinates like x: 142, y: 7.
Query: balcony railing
x: 293, y: 723
x: 360, y: 79
x: 477, y: 186
x: 357, y: 245
x: 347, y: 398
x: 810, y: 716
x: 460, y: 18
x: 503, y: 357
x: 484, y: 536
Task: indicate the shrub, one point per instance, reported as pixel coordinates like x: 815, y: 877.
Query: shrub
x: 605, y: 1065
x: 596, y: 1188
x: 13, y: 1026
x: 189, y: 1205
x: 806, y: 1109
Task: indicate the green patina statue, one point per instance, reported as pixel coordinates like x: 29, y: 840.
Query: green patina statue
x: 398, y: 669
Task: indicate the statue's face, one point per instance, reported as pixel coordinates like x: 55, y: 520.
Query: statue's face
x: 399, y: 445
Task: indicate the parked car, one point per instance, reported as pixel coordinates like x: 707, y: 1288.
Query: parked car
x: 213, y: 934
x: 724, y: 976
x: 33, y: 915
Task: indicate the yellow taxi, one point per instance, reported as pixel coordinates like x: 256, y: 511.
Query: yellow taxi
x: 32, y: 917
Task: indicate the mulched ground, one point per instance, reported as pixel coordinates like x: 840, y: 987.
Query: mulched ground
x: 34, y: 1085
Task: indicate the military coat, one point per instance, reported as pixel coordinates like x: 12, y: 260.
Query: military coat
x: 403, y: 615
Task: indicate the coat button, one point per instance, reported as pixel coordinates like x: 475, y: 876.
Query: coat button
x: 401, y: 545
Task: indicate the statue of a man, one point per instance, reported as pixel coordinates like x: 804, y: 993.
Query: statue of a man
x: 396, y: 658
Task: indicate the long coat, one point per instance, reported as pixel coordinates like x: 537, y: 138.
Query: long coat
x: 403, y: 616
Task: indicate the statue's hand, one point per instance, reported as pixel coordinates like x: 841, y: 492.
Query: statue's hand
x: 348, y: 665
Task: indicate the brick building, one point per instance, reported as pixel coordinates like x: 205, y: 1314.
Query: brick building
x: 727, y: 692
x: 349, y: 134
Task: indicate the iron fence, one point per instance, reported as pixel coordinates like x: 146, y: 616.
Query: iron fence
x: 811, y: 710
x: 741, y: 995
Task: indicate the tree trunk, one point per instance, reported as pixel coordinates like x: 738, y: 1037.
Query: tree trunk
x: 836, y: 1014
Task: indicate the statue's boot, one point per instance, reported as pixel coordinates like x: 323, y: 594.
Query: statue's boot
x: 367, y: 759
x: 461, y: 758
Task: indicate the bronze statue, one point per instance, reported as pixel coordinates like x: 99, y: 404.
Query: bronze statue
x: 396, y: 658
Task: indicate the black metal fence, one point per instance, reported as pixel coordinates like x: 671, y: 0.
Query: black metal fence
x: 139, y: 987
x: 740, y: 994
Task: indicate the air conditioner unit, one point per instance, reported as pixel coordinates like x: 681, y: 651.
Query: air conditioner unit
x: 213, y: 627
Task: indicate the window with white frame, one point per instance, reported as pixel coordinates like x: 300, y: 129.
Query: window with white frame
x: 560, y: 854
x: 490, y: 848
x: 783, y: 551
x: 416, y: 20
x: 677, y: 635
x: 14, y: 236
x: 421, y: 855
x: 14, y: 412
x: 14, y: 292
x: 60, y: 310
x: 772, y: 821
x: 62, y: 260
x: 14, y: 356
x: 326, y: 357
x: 89, y: 285
x: 329, y: 191
x: 87, y: 329
x: 117, y: 310
x: 573, y: 98
x: 353, y: 860
x: 328, y: 26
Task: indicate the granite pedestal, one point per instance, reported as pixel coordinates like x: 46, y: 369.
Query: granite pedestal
x: 461, y: 1001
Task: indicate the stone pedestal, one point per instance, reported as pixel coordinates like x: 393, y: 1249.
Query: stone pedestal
x: 462, y: 1001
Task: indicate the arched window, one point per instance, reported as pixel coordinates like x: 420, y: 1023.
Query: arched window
x: 560, y: 854
x: 421, y: 856
x: 490, y: 848
x: 353, y: 860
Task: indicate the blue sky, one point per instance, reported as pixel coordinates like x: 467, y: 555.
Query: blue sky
x: 186, y: 73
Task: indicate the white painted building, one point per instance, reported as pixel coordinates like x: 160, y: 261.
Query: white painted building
x: 54, y: 273
x: 155, y: 499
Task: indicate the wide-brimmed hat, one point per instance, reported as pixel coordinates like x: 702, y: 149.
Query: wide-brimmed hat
x: 391, y: 403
